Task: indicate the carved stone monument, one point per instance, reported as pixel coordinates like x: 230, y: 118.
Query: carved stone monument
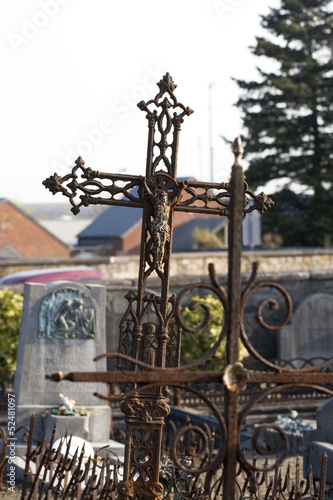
x: 62, y: 328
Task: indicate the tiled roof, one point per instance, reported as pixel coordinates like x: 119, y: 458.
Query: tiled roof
x: 114, y: 222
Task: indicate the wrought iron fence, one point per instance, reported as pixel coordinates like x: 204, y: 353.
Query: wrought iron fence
x: 288, y: 399
x: 58, y: 471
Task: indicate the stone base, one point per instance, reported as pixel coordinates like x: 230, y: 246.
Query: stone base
x: 97, y: 428
x: 77, y: 426
x: 23, y: 416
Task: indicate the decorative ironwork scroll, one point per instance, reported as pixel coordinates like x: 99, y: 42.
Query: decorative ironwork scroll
x: 148, y: 357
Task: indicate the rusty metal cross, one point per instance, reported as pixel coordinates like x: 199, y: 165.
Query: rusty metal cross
x: 144, y: 344
x: 159, y: 194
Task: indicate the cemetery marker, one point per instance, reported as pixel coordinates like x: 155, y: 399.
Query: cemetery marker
x: 149, y: 351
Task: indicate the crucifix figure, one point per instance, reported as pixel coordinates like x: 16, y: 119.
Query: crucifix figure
x: 159, y: 224
x: 159, y: 194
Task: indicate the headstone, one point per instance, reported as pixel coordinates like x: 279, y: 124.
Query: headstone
x: 62, y: 329
x: 310, y: 334
x: 319, y: 441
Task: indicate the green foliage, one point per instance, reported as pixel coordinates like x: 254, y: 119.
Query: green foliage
x: 10, y: 318
x: 195, y: 345
x: 204, y: 238
x: 288, y: 116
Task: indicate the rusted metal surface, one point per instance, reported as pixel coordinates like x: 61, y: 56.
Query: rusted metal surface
x: 148, y: 358
x: 235, y: 382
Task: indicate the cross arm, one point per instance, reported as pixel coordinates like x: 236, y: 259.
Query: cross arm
x: 169, y: 376
x: 214, y: 199
x: 162, y: 376
x: 83, y: 187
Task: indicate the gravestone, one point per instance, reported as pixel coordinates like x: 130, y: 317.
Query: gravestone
x: 62, y: 329
x: 310, y: 334
x: 319, y: 441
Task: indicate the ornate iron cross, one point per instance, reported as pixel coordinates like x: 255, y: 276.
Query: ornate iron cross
x: 148, y: 345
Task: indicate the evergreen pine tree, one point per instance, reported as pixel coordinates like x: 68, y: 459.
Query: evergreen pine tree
x: 288, y: 116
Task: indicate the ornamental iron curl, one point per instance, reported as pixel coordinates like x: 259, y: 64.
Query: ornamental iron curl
x: 151, y: 328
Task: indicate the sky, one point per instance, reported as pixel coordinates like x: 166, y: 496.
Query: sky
x: 74, y: 70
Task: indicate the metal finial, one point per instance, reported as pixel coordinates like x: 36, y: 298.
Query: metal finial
x: 79, y: 162
x: 237, y: 147
x: 167, y: 83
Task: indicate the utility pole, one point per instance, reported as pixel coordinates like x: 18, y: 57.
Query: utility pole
x: 211, y: 86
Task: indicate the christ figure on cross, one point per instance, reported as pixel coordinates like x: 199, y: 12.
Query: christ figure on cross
x: 159, y: 226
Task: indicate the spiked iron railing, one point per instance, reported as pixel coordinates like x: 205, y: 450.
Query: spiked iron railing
x: 60, y: 471
x: 148, y: 358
